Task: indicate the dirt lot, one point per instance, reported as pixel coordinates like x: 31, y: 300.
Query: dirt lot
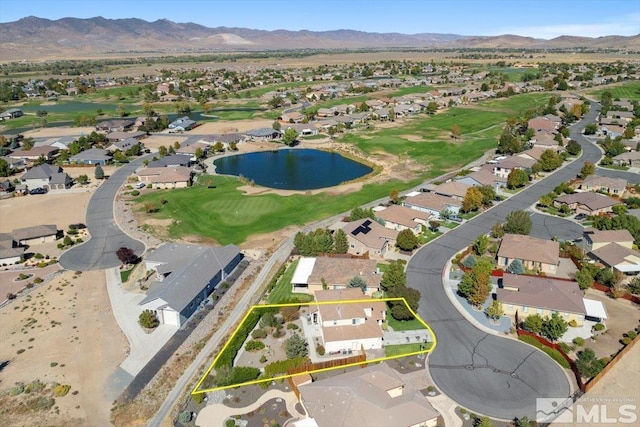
x: 63, y: 332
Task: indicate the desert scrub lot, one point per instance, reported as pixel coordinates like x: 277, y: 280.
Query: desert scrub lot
x: 227, y: 215
x: 629, y: 90
x: 430, y: 142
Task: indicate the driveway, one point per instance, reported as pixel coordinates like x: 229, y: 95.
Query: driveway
x: 486, y: 373
x: 99, y: 252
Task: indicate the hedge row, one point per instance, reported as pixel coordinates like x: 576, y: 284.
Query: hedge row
x: 282, y: 366
x: 239, y: 375
x: 552, y: 352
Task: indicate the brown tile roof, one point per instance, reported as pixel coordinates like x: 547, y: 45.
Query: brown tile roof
x: 593, y: 201
x: 529, y: 248
x: 614, y: 254
x: 170, y: 174
x: 603, y: 236
x: 35, y: 232
x: 370, y: 233
x: 451, y: 188
x: 542, y: 292
x: 433, y: 201
x: 339, y: 271
x: 402, y: 215
x: 604, y: 181
x: 361, y: 398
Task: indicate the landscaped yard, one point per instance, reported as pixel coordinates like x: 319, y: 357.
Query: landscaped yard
x: 402, y: 349
x: 282, y: 291
x: 427, y: 236
x: 403, y: 325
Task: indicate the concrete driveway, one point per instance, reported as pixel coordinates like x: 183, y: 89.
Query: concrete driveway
x: 99, y: 252
x: 486, y: 373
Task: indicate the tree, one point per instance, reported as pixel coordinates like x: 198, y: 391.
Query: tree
x: 357, y: 282
x: 481, y: 244
x: 148, y: 319
x: 199, y: 153
x: 584, y: 278
x: 394, y: 196
x: 406, y: 240
x: 508, y: 142
x: 550, y: 160
x: 5, y: 169
x: 483, y: 422
x: 554, y: 327
x: 121, y: 111
x: 573, y: 148
x: 546, y: 200
x: 275, y: 102
x: 455, y: 131
x: 276, y: 125
x: 475, y: 283
x: 296, y: 346
x: 82, y: 179
x: 393, y: 276
x: 488, y: 194
x: 591, y: 129
x: 634, y: 285
x: 517, y: 178
x: 98, y: 172
x: 472, y: 200
x: 28, y: 143
x: 518, y: 222
x: 126, y: 255
x: 162, y: 151
x: 534, y: 323
x: 588, y: 169
x: 497, y: 231
x: 400, y: 310
x: 340, y: 243
x: 360, y: 213
x: 432, y: 107
x: 290, y: 136
x: 516, y: 267
x: 522, y: 422
x: 434, y: 225
x: 495, y: 310
x: 587, y: 363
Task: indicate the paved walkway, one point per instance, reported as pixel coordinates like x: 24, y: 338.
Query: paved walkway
x: 214, y: 415
x: 142, y: 346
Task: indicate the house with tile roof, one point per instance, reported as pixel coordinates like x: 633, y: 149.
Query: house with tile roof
x: 398, y: 217
x: 535, y: 254
x: 366, y: 236
x: 166, y: 178
x: 433, y: 204
x: 588, y: 203
x: 50, y: 177
x: 314, y: 274
x: 618, y: 257
x: 604, y: 184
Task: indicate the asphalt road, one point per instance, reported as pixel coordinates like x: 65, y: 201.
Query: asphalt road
x: 99, y: 252
x: 486, y: 373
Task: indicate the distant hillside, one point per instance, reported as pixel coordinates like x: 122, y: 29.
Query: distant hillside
x: 34, y: 37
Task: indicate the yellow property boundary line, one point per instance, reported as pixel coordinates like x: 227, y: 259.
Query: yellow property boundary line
x: 282, y: 377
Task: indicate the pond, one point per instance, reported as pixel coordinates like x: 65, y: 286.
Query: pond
x: 292, y: 169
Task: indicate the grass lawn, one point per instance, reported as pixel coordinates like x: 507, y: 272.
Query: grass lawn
x: 616, y: 167
x: 382, y: 267
x: 124, y: 275
x: 469, y: 215
x: 281, y: 293
x: 411, y: 90
x: 403, y: 325
x: 427, y: 236
x: 402, y: 349
x: 450, y: 224
x: 227, y: 215
x: 629, y: 90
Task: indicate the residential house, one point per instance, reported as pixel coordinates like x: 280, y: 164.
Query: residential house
x: 92, y: 156
x: 115, y: 125
x: 171, y: 161
x: 123, y: 144
x: 596, y: 239
x: 372, y: 396
x: 263, y: 134
x: 10, y: 252
x: 182, y: 124
x: 483, y: 176
x: 303, y: 129
x: 588, y: 203
x: 527, y: 295
x: 366, y: 236
x: 454, y: 189
x: 504, y: 167
x: 37, y: 234
x: 185, y: 277
x: 432, y: 203
x: 623, y: 116
x: 542, y: 124
x: 398, y: 217
x: 618, y: 257
x: 166, y: 177
x: 119, y: 136
x: 535, y: 254
x: 47, y: 152
x: 347, y: 327
x: 630, y: 159
x: 11, y: 113
x: 604, y: 184
x: 292, y: 117
x: 50, y: 177
x: 6, y: 186
x: 315, y: 274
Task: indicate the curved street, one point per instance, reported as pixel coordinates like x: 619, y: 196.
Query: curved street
x: 99, y: 252
x: 486, y: 373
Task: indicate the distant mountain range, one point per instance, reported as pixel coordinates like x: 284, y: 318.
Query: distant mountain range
x: 32, y: 38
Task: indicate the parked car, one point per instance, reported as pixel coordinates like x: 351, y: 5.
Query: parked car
x: 140, y: 185
x: 581, y: 217
x: 38, y: 190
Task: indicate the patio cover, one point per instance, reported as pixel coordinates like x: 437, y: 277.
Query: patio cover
x: 595, y: 308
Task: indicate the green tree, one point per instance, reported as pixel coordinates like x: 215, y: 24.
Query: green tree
x: 5, y: 169
x: 82, y: 179
x: 588, y: 169
x: 475, y: 283
x: 98, y: 172
x: 276, y: 125
x: 591, y: 129
x: 483, y: 422
x: 481, y: 244
x: 550, y: 160
x: 573, y: 148
x: 162, y: 151
x: 546, y: 200
x: 495, y: 310
x: 516, y: 267
x: 340, y: 243
x: 406, y: 240
x: 290, y: 136
x: 518, y: 222
x: 360, y: 213
x: 455, y: 131
x: 275, y: 102
x: 554, y: 327
x: 199, y: 153
x: 522, y: 422
x: 357, y: 282
x: 533, y: 323
x: 148, y: 319
x: 394, y: 196
x: 509, y: 143
x: 517, y: 178
x: 399, y: 310
x: 497, y: 231
x: 472, y: 200
x: 587, y: 363
x: 488, y: 194
x: 584, y: 278
x: 393, y: 276
x: 296, y: 346
x: 634, y: 285
x: 121, y: 111
x: 28, y: 143
x: 432, y: 107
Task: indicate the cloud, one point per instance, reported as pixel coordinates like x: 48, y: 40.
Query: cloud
x: 627, y: 26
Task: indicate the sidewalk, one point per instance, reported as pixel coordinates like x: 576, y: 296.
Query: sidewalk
x: 142, y: 346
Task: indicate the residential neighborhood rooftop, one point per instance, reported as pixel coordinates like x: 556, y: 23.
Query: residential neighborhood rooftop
x: 541, y: 292
x: 529, y: 248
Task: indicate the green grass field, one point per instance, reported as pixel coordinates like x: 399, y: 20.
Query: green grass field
x: 411, y: 90
x: 282, y: 291
x: 629, y: 90
x: 403, y: 325
x: 227, y: 215
x: 400, y: 349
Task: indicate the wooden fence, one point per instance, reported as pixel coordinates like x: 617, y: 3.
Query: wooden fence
x: 593, y: 381
x: 309, y: 367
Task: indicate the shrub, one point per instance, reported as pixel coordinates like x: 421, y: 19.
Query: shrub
x: 578, y: 341
x: 625, y: 341
x: 598, y: 327
x: 470, y: 261
x: 573, y: 323
x: 565, y: 347
x: 16, y: 390
x: 184, y: 417
x: 53, y: 364
x: 254, y: 345
x: 292, y: 326
x: 38, y: 256
x: 320, y: 350
x: 61, y: 390
x: 135, y: 193
x: 296, y: 346
x: 198, y: 398
x: 259, y: 334
x: 263, y: 359
x: 282, y: 366
x: 631, y: 335
x: 239, y: 374
x: 289, y: 314
x: 235, y: 344
x: 38, y: 280
x: 230, y: 423
x: 148, y: 319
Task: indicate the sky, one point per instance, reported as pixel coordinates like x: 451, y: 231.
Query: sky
x: 533, y: 18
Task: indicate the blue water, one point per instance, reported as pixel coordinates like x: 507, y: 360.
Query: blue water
x: 292, y: 169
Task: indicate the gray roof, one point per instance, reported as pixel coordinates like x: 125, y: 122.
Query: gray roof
x: 190, y: 268
x: 44, y: 171
x: 541, y: 292
x: 35, y: 232
x: 175, y: 159
x: 91, y: 154
x: 361, y: 398
x: 262, y: 132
